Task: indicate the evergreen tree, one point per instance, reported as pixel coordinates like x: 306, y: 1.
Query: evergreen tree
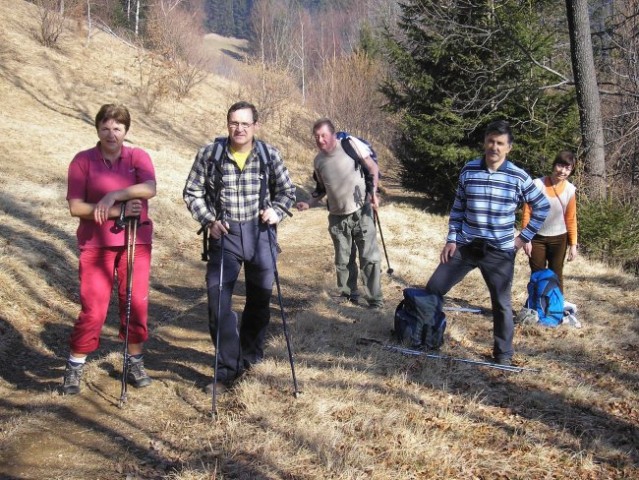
x: 460, y: 64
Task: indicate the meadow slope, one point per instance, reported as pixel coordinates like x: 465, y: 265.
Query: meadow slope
x: 364, y: 413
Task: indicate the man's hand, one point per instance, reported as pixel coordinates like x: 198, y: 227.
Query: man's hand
x: 374, y: 200
x: 217, y: 229
x: 448, y: 252
x: 301, y: 206
x: 269, y: 216
x: 519, y: 244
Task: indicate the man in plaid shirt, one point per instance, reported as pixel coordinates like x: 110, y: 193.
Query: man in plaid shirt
x: 230, y: 199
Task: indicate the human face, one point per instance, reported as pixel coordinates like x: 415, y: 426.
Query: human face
x: 242, y: 129
x: 111, y: 134
x: 496, y: 147
x: 325, y: 140
x: 560, y: 172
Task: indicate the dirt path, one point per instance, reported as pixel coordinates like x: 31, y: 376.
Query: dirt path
x: 47, y: 435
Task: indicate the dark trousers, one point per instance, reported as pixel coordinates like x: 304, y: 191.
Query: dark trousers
x: 241, y: 344
x: 497, y: 268
x: 549, y: 252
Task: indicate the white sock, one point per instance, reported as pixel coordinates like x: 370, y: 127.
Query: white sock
x: 77, y: 360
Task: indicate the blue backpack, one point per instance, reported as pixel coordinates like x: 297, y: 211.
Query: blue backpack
x: 419, y: 320
x: 545, y: 297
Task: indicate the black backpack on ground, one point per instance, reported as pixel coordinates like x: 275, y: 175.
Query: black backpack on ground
x: 419, y: 320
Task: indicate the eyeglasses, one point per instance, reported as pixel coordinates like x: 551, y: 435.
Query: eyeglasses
x: 236, y: 125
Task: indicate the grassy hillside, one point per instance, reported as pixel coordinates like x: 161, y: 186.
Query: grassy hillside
x: 364, y: 412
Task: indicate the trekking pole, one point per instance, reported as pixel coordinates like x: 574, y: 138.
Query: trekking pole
x: 381, y: 234
x: 419, y: 353
x: 132, y: 228
x: 271, y: 233
x: 217, y: 323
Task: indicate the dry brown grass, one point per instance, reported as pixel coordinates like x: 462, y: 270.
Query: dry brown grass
x: 364, y: 413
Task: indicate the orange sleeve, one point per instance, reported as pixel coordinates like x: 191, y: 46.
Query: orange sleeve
x: 525, y: 215
x: 570, y: 218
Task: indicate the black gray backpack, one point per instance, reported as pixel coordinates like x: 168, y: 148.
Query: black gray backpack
x: 419, y: 320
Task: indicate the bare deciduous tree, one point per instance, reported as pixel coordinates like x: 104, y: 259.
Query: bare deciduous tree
x: 174, y: 30
x: 51, y: 21
x: 346, y: 91
x: 154, y: 80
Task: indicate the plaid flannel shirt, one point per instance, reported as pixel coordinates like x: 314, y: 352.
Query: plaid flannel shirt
x: 240, y: 192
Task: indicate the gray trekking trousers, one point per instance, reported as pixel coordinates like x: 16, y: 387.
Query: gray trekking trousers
x: 497, y: 268
x: 241, y: 344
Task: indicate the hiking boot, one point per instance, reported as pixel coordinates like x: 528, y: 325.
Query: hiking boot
x: 220, y: 388
x: 504, y: 361
x: 375, y: 305
x: 136, y: 374
x: 72, y: 377
x: 341, y: 297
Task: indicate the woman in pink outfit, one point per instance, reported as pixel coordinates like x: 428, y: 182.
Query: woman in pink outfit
x: 107, y: 183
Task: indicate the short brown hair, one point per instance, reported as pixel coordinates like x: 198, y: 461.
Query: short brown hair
x: 323, y: 122
x: 241, y: 106
x: 112, y: 111
x: 565, y: 157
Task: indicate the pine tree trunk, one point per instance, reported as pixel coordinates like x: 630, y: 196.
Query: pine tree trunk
x: 583, y: 66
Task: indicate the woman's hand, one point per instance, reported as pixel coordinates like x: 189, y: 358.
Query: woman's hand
x: 133, y: 208
x: 528, y: 249
x: 101, y: 211
x: 572, y: 252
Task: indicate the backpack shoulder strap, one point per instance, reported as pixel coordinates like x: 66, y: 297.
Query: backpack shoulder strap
x: 353, y: 152
x: 349, y: 148
x: 215, y: 166
x: 266, y: 167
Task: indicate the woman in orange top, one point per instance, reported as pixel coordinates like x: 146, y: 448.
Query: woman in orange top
x: 558, y: 234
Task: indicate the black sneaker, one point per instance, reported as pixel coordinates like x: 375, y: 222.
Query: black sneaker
x: 72, y: 378
x: 136, y: 374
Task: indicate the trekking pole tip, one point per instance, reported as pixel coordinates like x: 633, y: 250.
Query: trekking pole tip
x: 390, y: 271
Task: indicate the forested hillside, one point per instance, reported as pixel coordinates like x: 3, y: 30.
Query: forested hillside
x: 364, y: 412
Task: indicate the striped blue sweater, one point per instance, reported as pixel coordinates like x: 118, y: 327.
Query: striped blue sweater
x: 486, y: 202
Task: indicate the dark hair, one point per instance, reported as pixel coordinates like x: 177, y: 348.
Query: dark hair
x: 565, y: 157
x: 500, y: 127
x: 241, y: 106
x: 112, y: 111
x: 323, y: 122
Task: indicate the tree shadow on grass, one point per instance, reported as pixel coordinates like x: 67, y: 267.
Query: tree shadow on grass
x: 588, y: 425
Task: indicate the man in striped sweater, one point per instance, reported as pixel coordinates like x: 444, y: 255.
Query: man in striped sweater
x: 481, y: 230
